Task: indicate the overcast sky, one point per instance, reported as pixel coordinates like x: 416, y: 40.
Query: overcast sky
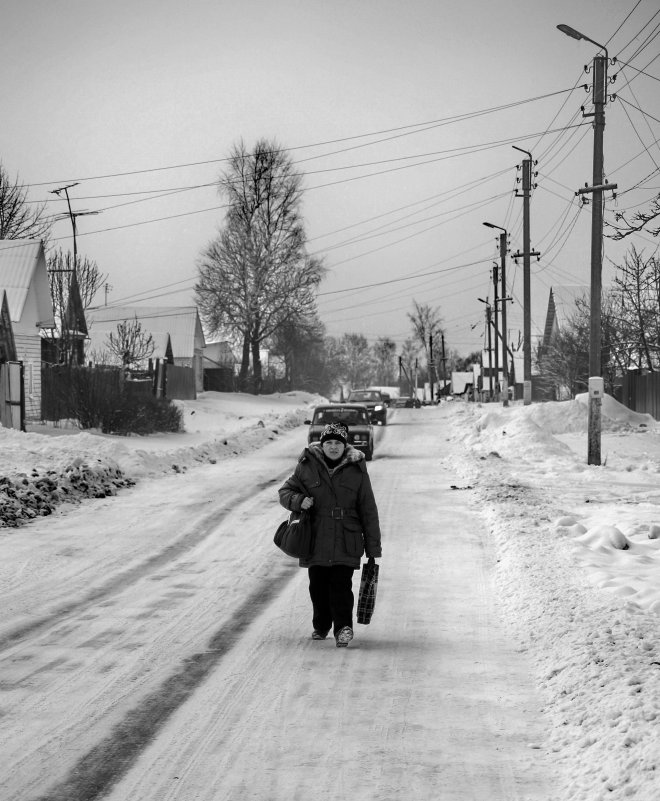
x: 401, y: 113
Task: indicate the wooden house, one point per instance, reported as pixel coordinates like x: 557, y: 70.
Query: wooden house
x: 24, y: 279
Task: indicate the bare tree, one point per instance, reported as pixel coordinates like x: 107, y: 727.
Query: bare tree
x: 636, y: 301
x: 256, y: 275
x: 639, y: 221
x: 19, y: 219
x: 87, y: 281
x: 385, y: 358
x: 564, y: 362
x: 130, y: 344
x: 358, y: 360
x: 427, y: 324
x: 300, y: 342
x: 60, y: 269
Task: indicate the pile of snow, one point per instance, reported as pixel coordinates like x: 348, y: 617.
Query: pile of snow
x: 46, y: 466
x: 577, y: 551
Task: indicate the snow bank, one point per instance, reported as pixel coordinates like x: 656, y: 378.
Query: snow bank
x: 576, y: 565
x: 47, y: 466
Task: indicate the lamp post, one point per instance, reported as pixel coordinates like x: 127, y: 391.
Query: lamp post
x: 503, y: 300
x: 596, y: 190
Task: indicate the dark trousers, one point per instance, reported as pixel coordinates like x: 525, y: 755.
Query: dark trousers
x: 331, y: 591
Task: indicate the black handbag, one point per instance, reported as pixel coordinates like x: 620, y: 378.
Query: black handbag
x: 368, y: 588
x: 294, y: 536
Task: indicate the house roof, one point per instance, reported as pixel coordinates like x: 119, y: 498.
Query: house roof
x: 181, y: 324
x: 23, y: 266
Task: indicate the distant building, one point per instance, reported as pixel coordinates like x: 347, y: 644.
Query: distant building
x: 176, y: 331
x: 219, y: 366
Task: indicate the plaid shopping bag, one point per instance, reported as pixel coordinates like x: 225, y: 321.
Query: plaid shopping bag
x: 368, y: 587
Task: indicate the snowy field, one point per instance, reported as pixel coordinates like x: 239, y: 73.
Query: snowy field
x: 576, y: 548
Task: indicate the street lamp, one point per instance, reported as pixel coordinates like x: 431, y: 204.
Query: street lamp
x: 596, y: 190
x: 505, y: 367
x: 577, y: 35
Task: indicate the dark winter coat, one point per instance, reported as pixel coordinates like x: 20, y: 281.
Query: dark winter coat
x: 344, y: 515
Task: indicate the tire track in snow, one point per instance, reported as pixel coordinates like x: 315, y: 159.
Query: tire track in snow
x: 108, y: 761
x: 120, y: 581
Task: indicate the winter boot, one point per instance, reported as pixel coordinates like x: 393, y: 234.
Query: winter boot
x: 344, y: 636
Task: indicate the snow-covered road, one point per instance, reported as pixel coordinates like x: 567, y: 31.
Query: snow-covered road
x: 172, y: 660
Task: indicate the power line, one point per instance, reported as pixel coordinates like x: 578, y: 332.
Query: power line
x: 445, y: 120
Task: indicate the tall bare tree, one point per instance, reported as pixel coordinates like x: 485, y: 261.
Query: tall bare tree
x: 256, y: 275
x: 20, y: 219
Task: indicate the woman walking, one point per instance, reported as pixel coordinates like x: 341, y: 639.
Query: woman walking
x: 331, y: 482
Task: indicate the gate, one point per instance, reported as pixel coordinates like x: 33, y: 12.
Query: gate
x: 12, y: 396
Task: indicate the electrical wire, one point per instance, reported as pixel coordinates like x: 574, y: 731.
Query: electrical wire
x: 366, y: 237
x: 440, y: 121
x: 637, y: 108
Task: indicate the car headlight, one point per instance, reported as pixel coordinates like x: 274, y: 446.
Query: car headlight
x: 378, y: 408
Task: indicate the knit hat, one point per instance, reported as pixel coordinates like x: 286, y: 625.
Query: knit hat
x: 335, y: 431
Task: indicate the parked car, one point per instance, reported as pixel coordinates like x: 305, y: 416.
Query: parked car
x: 354, y: 416
x: 374, y: 402
x: 407, y: 402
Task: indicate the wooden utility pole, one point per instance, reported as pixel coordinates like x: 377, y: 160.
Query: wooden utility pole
x: 527, y: 294
x: 497, y: 332
x: 490, y: 349
x: 444, y: 367
x: 596, y: 191
x: 505, y: 335
x: 504, y: 299
x: 431, y: 364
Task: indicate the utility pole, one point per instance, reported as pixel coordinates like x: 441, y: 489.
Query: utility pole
x: 490, y: 348
x: 504, y: 300
x: 527, y: 293
x: 497, y: 333
x: 431, y: 364
x: 444, y: 367
x: 596, y: 389
x: 72, y: 216
x: 505, y: 368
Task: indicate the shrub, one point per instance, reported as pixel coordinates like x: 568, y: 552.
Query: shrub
x: 100, y: 397
x: 142, y: 414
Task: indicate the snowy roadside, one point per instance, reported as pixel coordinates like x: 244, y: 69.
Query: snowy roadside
x: 578, y: 560
x: 47, y: 466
